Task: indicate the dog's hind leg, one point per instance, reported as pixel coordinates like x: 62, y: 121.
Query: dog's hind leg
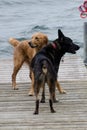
x: 60, y: 89
x: 51, y: 106
x: 43, y: 94
x: 37, y: 86
x: 15, y: 71
x: 53, y: 94
x: 51, y: 91
x: 17, y: 66
x: 31, y: 91
x: 51, y: 103
x: 37, y: 107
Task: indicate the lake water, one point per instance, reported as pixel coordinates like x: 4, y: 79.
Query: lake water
x: 21, y: 18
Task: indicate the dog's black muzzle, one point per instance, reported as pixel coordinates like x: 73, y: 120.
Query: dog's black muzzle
x: 31, y: 45
x: 74, y: 48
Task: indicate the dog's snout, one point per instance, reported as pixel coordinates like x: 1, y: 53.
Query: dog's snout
x: 77, y: 47
x: 31, y: 45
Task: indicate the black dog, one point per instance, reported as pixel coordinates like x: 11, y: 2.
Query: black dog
x: 45, y: 66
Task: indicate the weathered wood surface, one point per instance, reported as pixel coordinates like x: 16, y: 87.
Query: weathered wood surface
x: 16, y: 107
x: 71, y: 69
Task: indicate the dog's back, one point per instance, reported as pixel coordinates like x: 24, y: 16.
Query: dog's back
x: 43, y: 67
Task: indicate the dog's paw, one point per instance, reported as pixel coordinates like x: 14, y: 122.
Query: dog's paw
x: 36, y: 113
x: 53, y: 111
x: 55, y: 101
x: 31, y: 93
x: 62, y: 92
x: 42, y: 101
x: 15, y: 88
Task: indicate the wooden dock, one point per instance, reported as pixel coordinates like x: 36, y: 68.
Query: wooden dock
x: 16, y: 107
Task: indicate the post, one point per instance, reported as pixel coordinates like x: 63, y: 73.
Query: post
x: 85, y: 43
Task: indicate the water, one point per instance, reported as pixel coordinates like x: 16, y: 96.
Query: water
x: 21, y: 18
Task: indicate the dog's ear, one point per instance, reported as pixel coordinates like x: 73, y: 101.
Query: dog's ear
x: 45, y: 40
x: 60, y: 35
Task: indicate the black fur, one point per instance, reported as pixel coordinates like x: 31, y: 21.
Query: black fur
x: 45, y: 65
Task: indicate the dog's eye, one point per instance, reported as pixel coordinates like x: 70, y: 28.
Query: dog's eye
x: 37, y: 38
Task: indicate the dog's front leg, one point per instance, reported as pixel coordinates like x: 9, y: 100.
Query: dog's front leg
x: 31, y: 92
x: 60, y: 89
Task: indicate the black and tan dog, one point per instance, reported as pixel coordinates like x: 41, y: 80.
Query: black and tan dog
x: 45, y: 65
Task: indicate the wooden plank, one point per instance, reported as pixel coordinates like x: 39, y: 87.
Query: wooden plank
x: 71, y: 69
x: 16, y: 108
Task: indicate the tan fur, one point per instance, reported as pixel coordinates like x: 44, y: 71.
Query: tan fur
x: 24, y: 53
x: 13, y: 42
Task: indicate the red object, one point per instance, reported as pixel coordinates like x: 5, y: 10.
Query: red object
x: 85, y: 5
x: 83, y: 14
x: 54, y: 46
x: 83, y: 9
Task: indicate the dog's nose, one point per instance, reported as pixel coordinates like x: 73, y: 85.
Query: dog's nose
x: 78, y: 47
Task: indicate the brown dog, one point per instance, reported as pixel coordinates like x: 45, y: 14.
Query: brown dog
x: 24, y: 53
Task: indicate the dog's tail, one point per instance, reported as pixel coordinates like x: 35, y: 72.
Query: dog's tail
x: 13, y: 42
x: 45, y: 67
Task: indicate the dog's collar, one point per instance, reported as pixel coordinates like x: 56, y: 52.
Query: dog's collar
x: 55, y: 46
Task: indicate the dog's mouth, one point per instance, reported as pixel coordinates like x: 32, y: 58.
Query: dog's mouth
x: 74, y: 52
x: 74, y: 49
x: 32, y: 45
